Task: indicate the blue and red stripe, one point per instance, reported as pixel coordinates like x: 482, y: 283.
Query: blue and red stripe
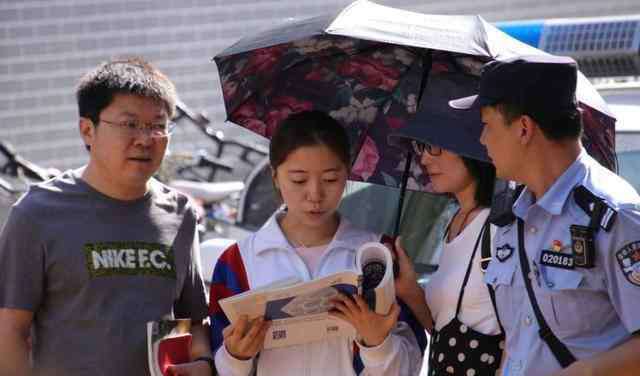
x: 229, y: 279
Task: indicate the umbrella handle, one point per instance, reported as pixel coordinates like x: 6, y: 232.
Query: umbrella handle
x: 403, y: 190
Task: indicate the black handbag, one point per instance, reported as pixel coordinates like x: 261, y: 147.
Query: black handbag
x: 457, y: 349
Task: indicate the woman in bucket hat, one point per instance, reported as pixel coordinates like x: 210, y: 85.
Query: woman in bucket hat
x: 456, y: 305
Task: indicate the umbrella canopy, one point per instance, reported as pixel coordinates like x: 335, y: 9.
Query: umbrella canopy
x: 369, y: 66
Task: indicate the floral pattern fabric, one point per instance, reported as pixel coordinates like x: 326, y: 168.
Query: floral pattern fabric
x: 372, y: 88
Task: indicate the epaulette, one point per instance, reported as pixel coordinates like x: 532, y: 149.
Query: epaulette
x: 601, y: 213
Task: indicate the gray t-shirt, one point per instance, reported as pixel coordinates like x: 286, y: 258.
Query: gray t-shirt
x: 94, y: 270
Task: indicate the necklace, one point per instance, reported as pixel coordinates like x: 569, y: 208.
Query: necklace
x: 464, y: 221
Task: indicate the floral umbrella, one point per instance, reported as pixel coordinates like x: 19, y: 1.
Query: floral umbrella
x: 368, y: 67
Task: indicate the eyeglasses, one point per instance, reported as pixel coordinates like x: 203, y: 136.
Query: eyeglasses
x: 132, y: 128
x: 420, y: 147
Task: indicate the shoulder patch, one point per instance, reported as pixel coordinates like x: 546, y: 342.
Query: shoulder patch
x: 629, y: 261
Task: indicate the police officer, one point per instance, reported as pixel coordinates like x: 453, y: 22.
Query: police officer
x: 567, y: 268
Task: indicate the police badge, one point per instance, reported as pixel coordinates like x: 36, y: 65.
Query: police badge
x: 504, y: 252
x: 629, y: 260
x: 583, y: 246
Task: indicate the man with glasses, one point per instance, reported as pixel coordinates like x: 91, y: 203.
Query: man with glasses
x: 89, y: 257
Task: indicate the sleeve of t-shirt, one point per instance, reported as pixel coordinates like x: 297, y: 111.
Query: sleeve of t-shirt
x: 22, y: 256
x: 622, y: 267
x: 193, y: 299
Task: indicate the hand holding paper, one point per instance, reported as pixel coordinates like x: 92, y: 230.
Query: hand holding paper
x: 371, y: 327
x: 245, y: 338
x: 298, y: 312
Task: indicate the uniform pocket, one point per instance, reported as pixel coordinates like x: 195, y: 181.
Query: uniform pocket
x: 562, y: 301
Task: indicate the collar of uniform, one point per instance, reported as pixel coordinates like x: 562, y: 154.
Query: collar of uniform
x: 271, y: 235
x: 556, y: 196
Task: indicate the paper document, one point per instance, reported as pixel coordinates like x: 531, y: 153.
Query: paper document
x: 299, y: 310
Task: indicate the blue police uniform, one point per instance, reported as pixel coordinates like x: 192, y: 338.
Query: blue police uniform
x: 591, y: 310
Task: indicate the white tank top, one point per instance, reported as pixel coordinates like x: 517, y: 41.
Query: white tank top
x: 443, y: 288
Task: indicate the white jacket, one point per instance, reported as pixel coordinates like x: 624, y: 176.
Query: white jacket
x: 266, y: 257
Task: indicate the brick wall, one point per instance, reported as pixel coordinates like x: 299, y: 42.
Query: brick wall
x: 46, y: 45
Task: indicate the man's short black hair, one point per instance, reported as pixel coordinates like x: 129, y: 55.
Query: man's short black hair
x: 96, y: 89
x: 564, y: 126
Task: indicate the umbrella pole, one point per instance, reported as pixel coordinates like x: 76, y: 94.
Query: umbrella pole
x: 403, y: 190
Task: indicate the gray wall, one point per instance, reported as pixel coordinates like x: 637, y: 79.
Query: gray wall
x: 45, y: 45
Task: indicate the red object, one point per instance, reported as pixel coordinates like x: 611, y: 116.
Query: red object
x: 173, y: 350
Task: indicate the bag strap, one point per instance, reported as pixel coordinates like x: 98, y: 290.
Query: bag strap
x: 446, y: 229
x: 559, y: 350
x: 484, y: 263
x: 468, y: 273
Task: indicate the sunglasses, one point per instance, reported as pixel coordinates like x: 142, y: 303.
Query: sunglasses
x: 420, y: 147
